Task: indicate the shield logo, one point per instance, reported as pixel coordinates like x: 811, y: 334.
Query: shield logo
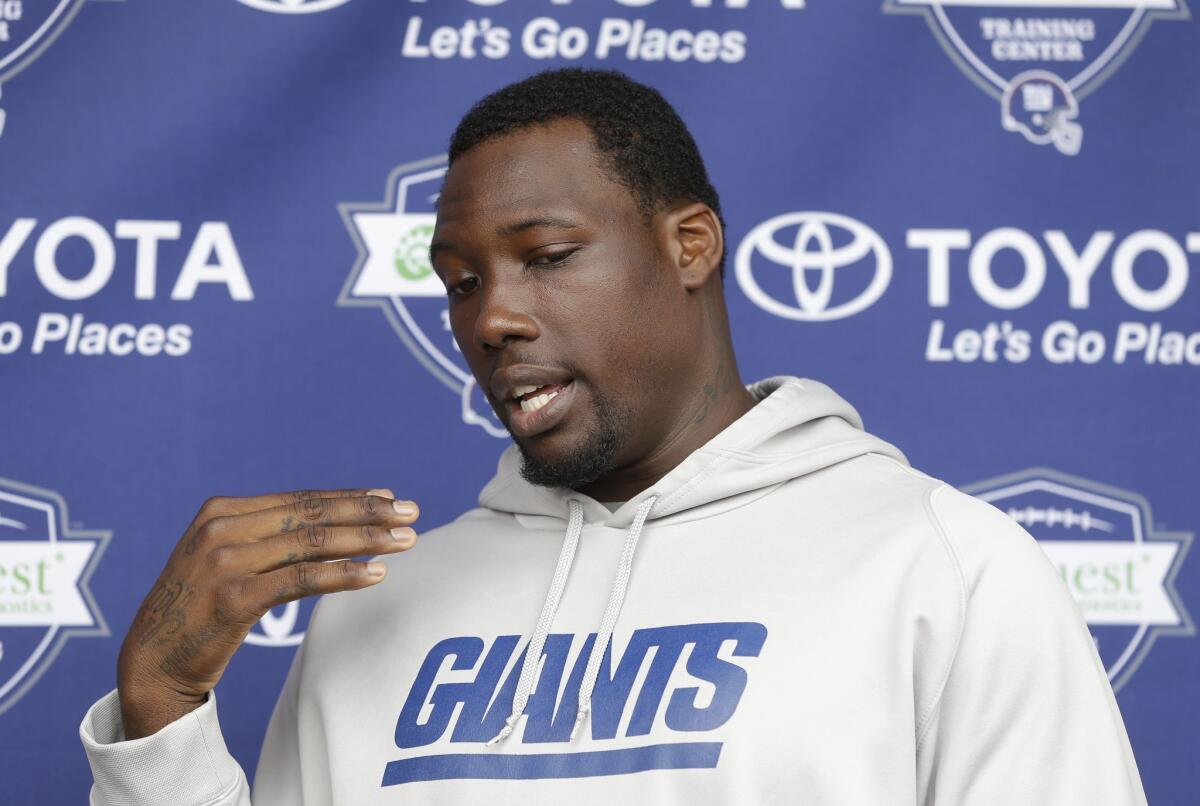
x: 1120, y: 570
x: 393, y: 274
x: 1040, y: 58
x: 45, y: 568
x: 26, y: 29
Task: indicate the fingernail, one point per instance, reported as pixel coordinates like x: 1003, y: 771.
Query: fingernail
x: 376, y: 569
x: 403, y: 535
x: 404, y: 508
x: 382, y: 493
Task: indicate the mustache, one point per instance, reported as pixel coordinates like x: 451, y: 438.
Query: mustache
x: 511, y: 359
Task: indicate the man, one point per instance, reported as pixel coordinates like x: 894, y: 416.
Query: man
x: 753, y: 600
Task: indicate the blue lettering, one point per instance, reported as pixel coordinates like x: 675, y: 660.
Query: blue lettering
x: 486, y: 701
x: 483, y: 714
x: 547, y: 719
x: 613, y: 689
x: 728, y: 679
x: 465, y: 651
x: 669, y: 643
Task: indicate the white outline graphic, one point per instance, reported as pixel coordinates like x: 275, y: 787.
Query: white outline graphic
x: 277, y: 630
x: 812, y: 305
x: 293, y: 6
x: 54, y: 24
x: 36, y: 43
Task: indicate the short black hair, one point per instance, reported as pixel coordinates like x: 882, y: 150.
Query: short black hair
x: 645, y: 143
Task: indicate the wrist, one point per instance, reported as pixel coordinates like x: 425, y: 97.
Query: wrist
x: 146, y: 711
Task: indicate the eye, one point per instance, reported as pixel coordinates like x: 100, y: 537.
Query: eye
x: 556, y: 258
x: 466, y: 286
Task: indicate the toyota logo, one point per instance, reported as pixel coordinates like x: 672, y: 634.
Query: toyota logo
x: 818, y: 250
x: 293, y: 6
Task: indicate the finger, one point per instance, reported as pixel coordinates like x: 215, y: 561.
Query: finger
x: 238, y: 505
x: 309, y: 579
x: 315, y: 542
x: 363, y: 510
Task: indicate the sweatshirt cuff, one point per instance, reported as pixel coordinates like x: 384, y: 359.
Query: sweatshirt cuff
x: 185, y: 762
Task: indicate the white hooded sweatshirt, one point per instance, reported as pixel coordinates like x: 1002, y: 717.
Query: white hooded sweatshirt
x: 796, y: 616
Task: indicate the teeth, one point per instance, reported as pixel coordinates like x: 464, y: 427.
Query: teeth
x: 522, y: 390
x: 535, y: 403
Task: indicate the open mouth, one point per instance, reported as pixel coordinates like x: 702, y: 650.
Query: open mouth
x: 533, y: 398
x: 536, y: 409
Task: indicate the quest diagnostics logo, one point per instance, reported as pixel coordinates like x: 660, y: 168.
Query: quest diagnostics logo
x: 393, y: 273
x: 800, y: 265
x: 45, y: 569
x: 1120, y: 570
x: 1040, y: 58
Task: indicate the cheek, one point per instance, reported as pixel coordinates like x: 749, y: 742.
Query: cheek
x: 609, y: 323
x: 613, y: 286
x: 461, y: 320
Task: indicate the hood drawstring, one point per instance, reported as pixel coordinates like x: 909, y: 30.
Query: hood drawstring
x: 533, y: 653
x: 615, y: 600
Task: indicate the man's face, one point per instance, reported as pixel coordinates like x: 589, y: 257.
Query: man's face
x: 562, y: 302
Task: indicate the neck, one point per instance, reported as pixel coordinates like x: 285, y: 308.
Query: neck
x: 716, y: 402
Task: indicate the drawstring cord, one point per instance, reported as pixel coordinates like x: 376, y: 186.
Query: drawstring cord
x: 615, y: 600
x: 533, y: 654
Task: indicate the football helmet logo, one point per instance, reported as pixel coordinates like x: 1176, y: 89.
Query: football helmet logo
x: 1042, y: 107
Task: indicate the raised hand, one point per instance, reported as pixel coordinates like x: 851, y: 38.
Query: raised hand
x: 239, y: 558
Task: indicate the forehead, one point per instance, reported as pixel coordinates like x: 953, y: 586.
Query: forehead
x: 538, y: 169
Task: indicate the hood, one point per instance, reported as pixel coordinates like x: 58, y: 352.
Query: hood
x: 797, y: 427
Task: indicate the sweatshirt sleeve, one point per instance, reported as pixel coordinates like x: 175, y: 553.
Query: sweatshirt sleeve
x: 184, y: 763
x: 1026, y: 714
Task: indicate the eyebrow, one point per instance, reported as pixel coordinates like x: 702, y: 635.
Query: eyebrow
x: 513, y: 229
x: 538, y: 221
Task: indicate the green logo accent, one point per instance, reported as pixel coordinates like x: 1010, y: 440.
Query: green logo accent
x: 411, y: 256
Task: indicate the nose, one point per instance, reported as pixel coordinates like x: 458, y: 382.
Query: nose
x: 502, y: 318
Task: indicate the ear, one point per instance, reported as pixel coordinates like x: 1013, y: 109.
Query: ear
x: 695, y: 242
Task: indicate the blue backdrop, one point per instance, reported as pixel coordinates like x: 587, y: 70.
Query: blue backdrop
x: 977, y: 220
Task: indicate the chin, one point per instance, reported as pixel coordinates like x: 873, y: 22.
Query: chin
x: 550, y: 461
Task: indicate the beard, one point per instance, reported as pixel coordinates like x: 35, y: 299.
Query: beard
x: 595, y: 456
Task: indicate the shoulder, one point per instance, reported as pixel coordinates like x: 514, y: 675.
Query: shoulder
x: 1011, y: 593
x: 956, y: 542
x: 971, y: 531
x: 986, y: 543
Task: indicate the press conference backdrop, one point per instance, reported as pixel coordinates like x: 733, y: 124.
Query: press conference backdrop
x: 979, y: 220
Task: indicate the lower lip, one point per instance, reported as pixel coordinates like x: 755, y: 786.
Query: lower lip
x: 531, y: 423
